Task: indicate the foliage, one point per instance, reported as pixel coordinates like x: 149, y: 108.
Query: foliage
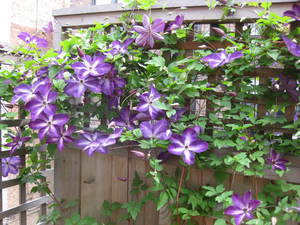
x: 155, y: 99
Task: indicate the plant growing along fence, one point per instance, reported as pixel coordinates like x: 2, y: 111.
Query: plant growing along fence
x: 222, y: 99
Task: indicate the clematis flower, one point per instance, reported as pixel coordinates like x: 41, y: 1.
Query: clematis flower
x: 179, y: 113
x: 125, y: 119
x: 138, y: 154
x: 49, y: 124
x: 290, y: 86
x: 64, y: 136
x: 147, y: 101
x: 242, y: 208
x: 176, y: 24
x: 27, y: 92
x: 156, y: 129
x: 164, y: 156
x: 109, y: 82
x: 91, y: 66
x: 276, y: 161
x: 118, y: 47
x: 292, y: 46
x: 219, y: 59
x: 95, y: 142
x: 24, y: 36
x: 297, y: 208
x: 42, y: 71
x: 294, y: 13
x: 187, y: 144
x: 48, y: 29
x: 149, y: 32
x: 42, y: 103
x: 77, y: 85
x: 28, y: 39
x: 17, y: 142
x: 10, y: 165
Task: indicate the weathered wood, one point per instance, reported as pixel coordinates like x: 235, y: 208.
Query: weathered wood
x: 67, y: 173
x: 197, y: 12
x: 25, y: 206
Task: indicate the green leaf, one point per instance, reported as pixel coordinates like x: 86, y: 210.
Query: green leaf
x: 220, y: 222
x: 162, y: 200
x: 158, y: 61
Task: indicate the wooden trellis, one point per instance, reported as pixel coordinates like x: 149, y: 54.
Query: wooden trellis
x: 95, y: 179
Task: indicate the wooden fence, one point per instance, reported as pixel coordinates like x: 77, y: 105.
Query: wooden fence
x: 91, y: 180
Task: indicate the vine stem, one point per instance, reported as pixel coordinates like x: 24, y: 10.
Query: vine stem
x: 178, y: 192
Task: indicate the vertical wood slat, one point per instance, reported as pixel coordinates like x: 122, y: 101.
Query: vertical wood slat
x: 22, y: 189
x: 43, y: 207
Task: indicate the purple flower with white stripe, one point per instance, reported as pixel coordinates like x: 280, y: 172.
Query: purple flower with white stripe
x: 294, y: 13
x: 156, y: 129
x: 125, y: 119
x: 179, y: 113
x: 27, y: 92
x: 118, y: 47
x: 42, y: 103
x: 174, y: 25
x: 49, y: 124
x: 28, y: 39
x: 64, y: 136
x: 276, y: 161
x: 17, y: 142
x: 242, y: 208
x: 96, y: 142
x: 77, y: 85
x: 290, y: 86
x: 147, y: 101
x: 148, y: 33
x: 10, y: 165
x: 91, y: 66
x: 292, y: 46
x: 110, y: 82
x: 219, y: 59
x: 187, y: 144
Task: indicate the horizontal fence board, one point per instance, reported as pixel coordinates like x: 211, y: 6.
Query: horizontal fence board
x: 87, y: 15
x: 14, y: 123
x: 25, y: 206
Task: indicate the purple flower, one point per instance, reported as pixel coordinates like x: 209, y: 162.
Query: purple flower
x: 276, y: 161
x: 42, y: 103
x: 292, y: 46
x: 164, y: 156
x: 187, y: 144
x: 27, y: 92
x: 95, y: 142
x: 149, y: 32
x: 91, y: 66
x: 42, y: 71
x: 48, y: 29
x: 64, y: 136
x: 219, y: 59
x: 290, y: 85
x: 242, y: 208
x: 24, y: 36
x: 109, y: 82
x: 27, y: 38
x: 147, y: 100
x: 179, y: 113
x: 297, y: 208
x: 138, y: 154
x: 156, y: 129
x: 176, y: 24
x: 17, y: 142
x: 294, y: 13
x: 77, y: 85
x: 10, y: 165
x: 40, y: 42
x: 49, y: 124
x: 125, y: 119
x: 120, y: 48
